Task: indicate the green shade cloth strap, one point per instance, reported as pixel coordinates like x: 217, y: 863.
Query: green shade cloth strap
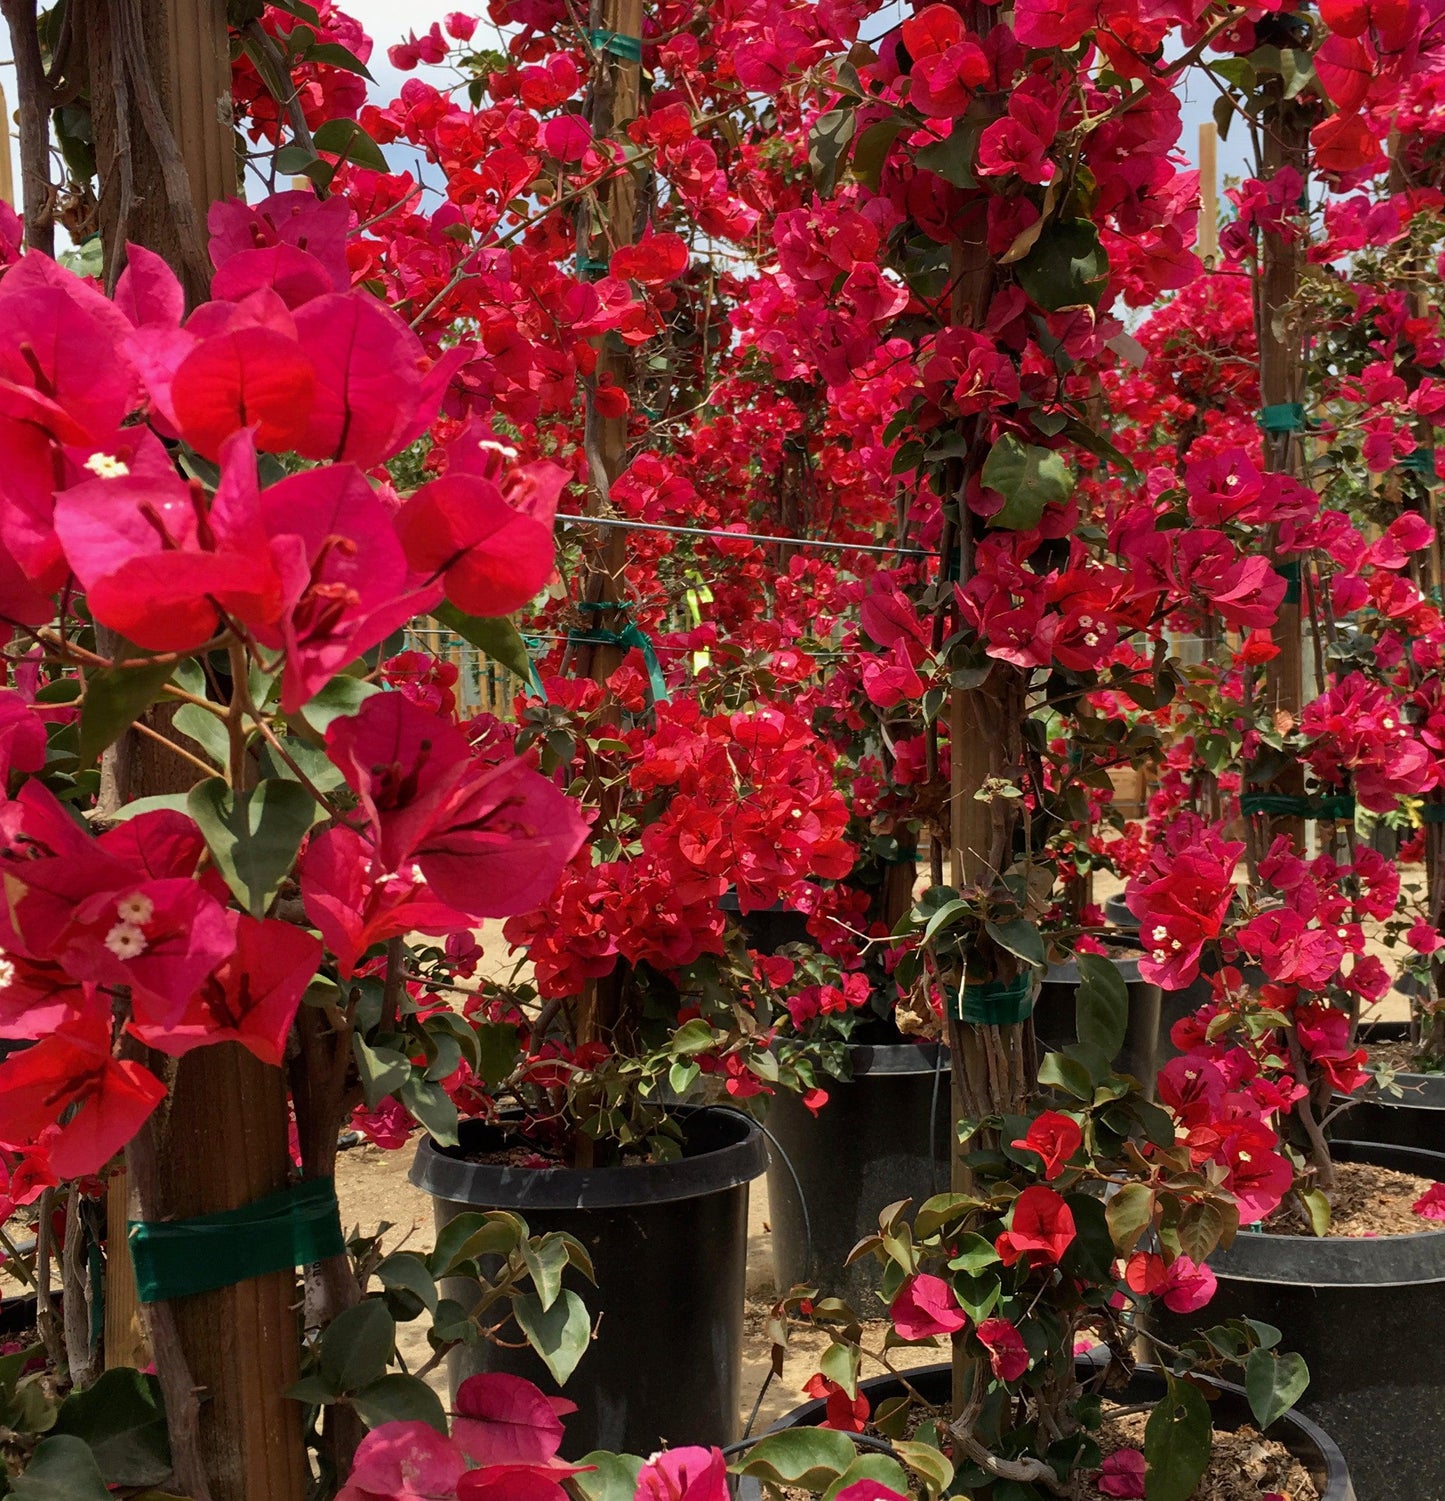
x: 1336, y: 806
x: 589, y: 269
x: 995, y: 1003
x: 1421, y: 462
x: 628, y: 48
x: 1284, y: 417
x: 629, y: 636
x: 178, y: 1258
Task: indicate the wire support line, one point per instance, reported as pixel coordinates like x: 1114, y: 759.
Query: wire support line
x: 702, y: 531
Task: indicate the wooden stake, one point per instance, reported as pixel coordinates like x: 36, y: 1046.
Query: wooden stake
x: 160, y: 86
x: 1281, y: 383
x: 7, y: 167
x: 1208, y: 194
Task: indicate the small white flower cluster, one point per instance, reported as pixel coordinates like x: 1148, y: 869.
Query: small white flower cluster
x: 127, y: 939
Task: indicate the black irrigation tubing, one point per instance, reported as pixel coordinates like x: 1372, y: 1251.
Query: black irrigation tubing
x: 792, y: 1173
x: 824, y: 543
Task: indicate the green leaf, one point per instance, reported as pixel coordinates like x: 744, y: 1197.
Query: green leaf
x: 382, y: 1071
x: 841, y: 1363
x: 1200, y: 1228
x: 1274, y: 1383
x: 953, y: 159
x: 253, y: 837
x: 164, y: 801
x: 493, y: 1233
x: 1028, y: 477
x: 61, y: 1469
x: 497, y: 1052
x: 695, y: 1036
x: 357, y: 1346
x: 809, y: 1458
x: 399, y: 1398
x: 405, y: 1271
x: 494, y: 636
x: 1019, y: 936
x: 115, y: 697
x: 1178, y: 1439
x: 209, y: 732
x: 559, y: 1334
x: 1102, y: 1004
x: 870, y: 153
x: 926, y: 1460
x: 341, y: 696
x: 1129, y: 1212
x: 122, y: 1423
x: 973, y: 1254
x: 546, y: 1259
x: 829, y: 137
x: 942, y: 1209
x: 1059, y: 1071
x: 1067, y: 268
x: 1318, y: 1208
x: 432, y: 1107
x: 337, y: 56
x: 346, y: 139
x: 608, y: 1477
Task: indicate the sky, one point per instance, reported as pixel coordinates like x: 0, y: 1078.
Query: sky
x: 387, y: 21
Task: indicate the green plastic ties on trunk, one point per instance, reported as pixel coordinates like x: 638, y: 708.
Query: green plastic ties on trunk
x: 627, y: 48
x: 179, y: 1258
x: 631, y: 635
x: 1336, y: 807
x: 995, y: 1003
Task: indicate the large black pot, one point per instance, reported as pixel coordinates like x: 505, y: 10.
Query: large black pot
x: 669, y: 1244
x: 1055, y: 1020
x: 1313, y: 1447
x: 1368, y: 1315
x: 767, y: 929
x: 884, y: 1135
x: 1413, y: 1118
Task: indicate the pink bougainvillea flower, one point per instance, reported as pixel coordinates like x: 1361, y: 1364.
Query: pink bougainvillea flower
x: 1122, y: 1475
x: 1007, y: 1353
x: 1431, y: 1204
x: 70, y: 1095
x: 506, y: 1420
x: 345, y: 584
x: 489, y: 839
x: 1182, y: 1285
x: 689, y: 1474
x: 251, y: 998
x: 22, y: 736
x: 846, y: 1414
x: 1055, y: 1137
x: 1042, y: 1227
x: 484, y: 529
x: 654, y: 260
x: 925, y: 1306
x: 404, y: 1462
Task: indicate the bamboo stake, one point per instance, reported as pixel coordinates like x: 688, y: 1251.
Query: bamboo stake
x: 1208, y: 194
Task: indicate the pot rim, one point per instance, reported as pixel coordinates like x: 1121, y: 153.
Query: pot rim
x: 1382, y: 1261
x: 739, y: 1156
x: 1335, y: 1483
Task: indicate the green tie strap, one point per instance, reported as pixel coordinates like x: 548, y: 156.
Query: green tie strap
x: 994, y: 1003
x: 1290, y: 573
x: 1421, y: 462
x: 1335, y: 807
x: 628, y: 48
x: 1284, y: 417
x: 631, y: 635
x: 178, y: 1258
x: 589, y: 269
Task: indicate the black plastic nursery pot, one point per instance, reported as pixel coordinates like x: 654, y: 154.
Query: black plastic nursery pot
x: 767, y: 929
x: 1311, y: 1445
x: 1415, y: 1117
x: 669, y: 1245
x: 884, y: 1135
x: 1055, y: 1020
x: 1368, y: 1316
